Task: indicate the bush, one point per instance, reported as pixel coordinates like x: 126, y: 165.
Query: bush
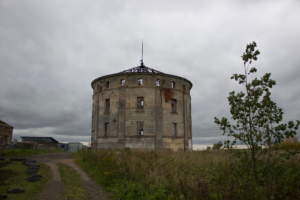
x: 290, y: 144
x: 217, y: 146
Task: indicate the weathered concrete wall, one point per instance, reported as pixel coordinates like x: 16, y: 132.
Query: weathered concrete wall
x: 137, y: 142
x: 110, y: 117
x: 175, y: 144
x: 157, y: 116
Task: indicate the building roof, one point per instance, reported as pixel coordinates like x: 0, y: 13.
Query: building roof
x: 39, y: 137
x: 2, y: 123
x: 141, y: 69
x: 137, y: 70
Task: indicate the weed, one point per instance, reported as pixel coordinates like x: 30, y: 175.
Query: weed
x: 72, y: 183
x: 129, y: 174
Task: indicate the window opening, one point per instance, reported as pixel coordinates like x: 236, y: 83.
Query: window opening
x: 183, y: 87
x: 157, y: 82
x: 106, y: 132
x: 163, y: 83
x: 140, y: 81
x: 122, y: 82
x: 97, y: 88
x: 140, y: 128
x: 173, y: 105
x: 140, y: 103
x: 174, y: 129
x: 107, y: 84
x: 107, y: 105
x: 172, y: 84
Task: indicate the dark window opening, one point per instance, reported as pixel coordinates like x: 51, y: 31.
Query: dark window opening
x: 98, y: 87
x: 107, y: 84
x: 183, y: 87
x: 172, y: 84
x: 106, y: 131
x: 140, y: 81
x: 107, y: 105
x: 174, y: 129
x: 140, y: 128
x: 163, y: 83
x: 122, y: 82
x: 173, y: 105
x: 157, y: 82
x: 140, y: 103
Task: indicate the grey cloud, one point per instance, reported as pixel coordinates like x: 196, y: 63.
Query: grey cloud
x: 52, y: 50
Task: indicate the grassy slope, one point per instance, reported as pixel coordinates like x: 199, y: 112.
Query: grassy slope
x: 32, y: 189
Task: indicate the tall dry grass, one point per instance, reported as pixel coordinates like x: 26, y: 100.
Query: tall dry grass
x: 129, y: 174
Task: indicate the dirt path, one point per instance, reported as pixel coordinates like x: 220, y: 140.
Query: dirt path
x: 55, y: 187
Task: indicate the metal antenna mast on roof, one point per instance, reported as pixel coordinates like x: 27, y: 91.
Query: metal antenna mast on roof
x: 142, y: 63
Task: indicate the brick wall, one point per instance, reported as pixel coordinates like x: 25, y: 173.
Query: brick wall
x: 1, y: 146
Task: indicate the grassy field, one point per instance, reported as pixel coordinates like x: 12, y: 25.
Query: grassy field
x: 128, y: 174
x: 12, y: 176
x: 72, y: 183
x: 27, y: 152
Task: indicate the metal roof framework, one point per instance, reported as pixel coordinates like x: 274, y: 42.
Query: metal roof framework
x: 142, y: 69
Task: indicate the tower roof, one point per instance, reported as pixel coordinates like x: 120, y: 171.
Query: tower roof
x: 141, y: 69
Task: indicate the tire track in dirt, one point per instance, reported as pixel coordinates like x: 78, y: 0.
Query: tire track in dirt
x: 55, y: 187
x: 94, y: 191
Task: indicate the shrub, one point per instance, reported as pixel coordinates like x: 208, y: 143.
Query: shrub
x: 217, y: 146
x: 290, y: 144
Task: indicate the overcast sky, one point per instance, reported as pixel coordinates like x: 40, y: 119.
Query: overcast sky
x: 51, y: 51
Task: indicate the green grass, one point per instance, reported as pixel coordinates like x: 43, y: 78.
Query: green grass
x: 18, y: 180
x: 27, y: 152
x: 72, y: 183
x: 128, y: 174
x: 152, y: 175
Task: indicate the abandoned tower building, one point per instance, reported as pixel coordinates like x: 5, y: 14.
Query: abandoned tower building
x: 142, y: 108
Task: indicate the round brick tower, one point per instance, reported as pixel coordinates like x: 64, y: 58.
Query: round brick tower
x: 142, y: 108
